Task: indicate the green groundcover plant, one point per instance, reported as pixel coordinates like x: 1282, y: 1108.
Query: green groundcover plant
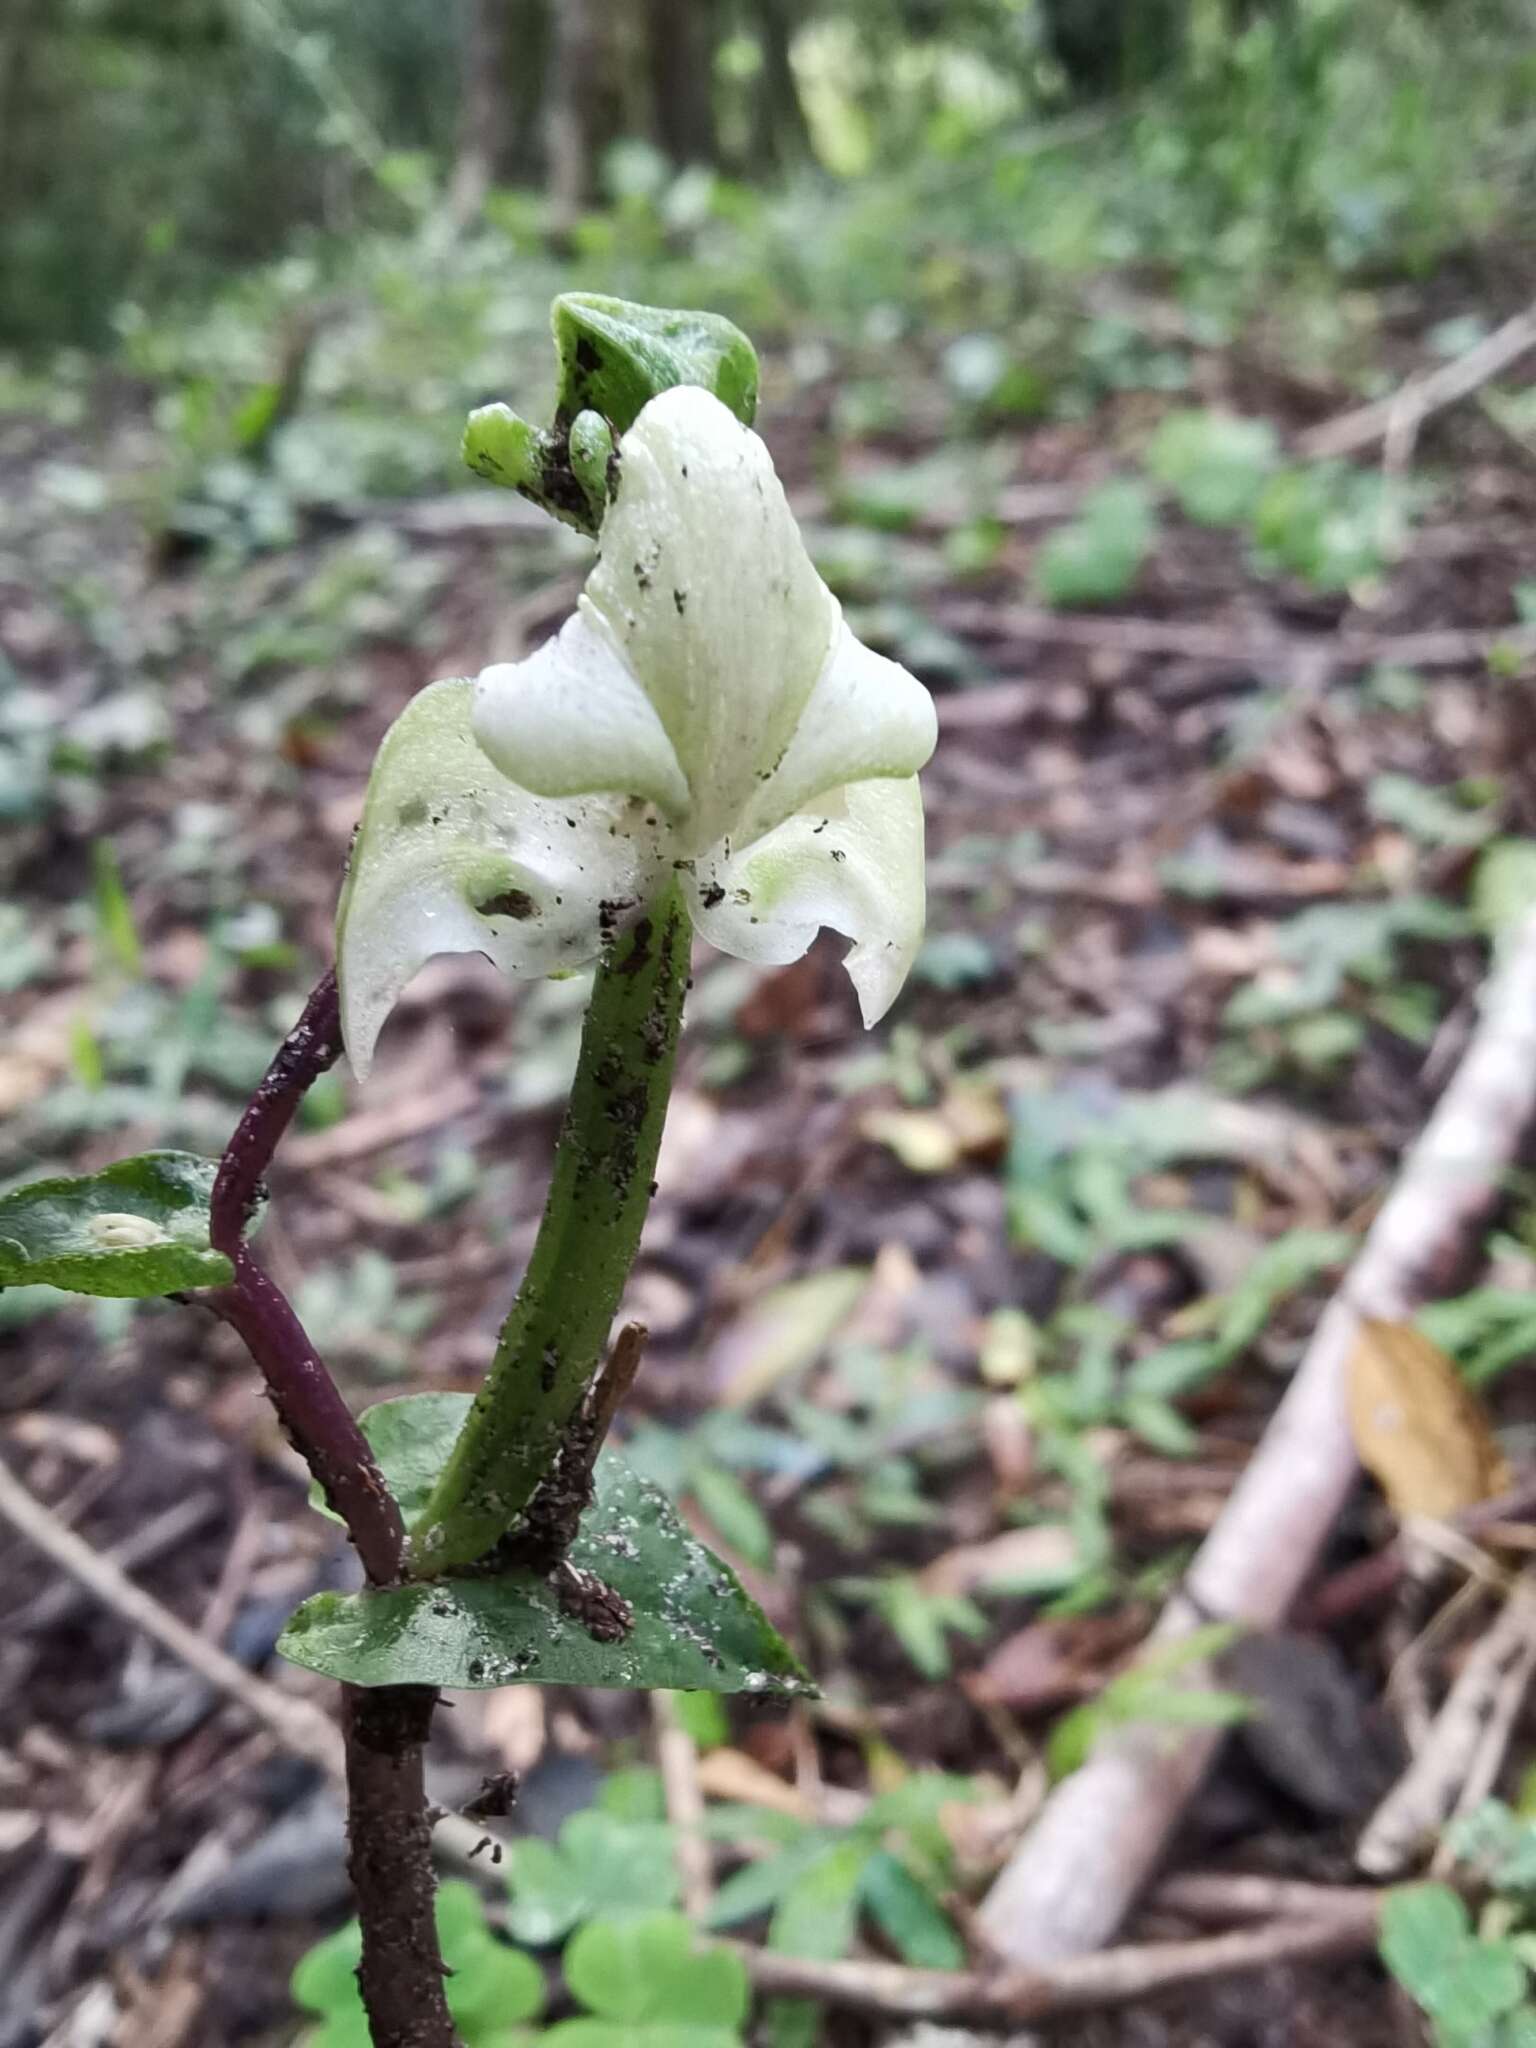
x: 705, y: 749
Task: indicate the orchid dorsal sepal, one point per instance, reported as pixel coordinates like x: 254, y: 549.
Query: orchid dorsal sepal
x: 706, y: 713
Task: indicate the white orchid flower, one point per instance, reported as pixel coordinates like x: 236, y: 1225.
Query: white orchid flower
x: 706, y: 712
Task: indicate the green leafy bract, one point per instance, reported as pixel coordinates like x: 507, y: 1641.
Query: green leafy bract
x: 694, y: 1630
x: 492, y: 1989
x: 615, y: 356
x: 137, y: 1229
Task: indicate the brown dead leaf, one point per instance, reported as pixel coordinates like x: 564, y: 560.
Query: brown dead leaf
x: 787, y: 1003
x: 784, y: 1331
x: 970, y: 1123
x: 513, y: 1724
x: 1052, y: 1663
x: 729, y: 1774
x: 1016, y: 1557
x: 1418, y: 1427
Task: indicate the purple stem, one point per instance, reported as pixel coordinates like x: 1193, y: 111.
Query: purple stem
x: 309, y: 1405
x: 311, y: 1048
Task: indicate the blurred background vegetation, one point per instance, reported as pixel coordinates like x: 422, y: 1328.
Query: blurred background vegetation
x: 781, y: 157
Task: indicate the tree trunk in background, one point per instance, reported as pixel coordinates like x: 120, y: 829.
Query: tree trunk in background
x: 680, y: 37
x: 483, y: 106
x: 526, y: 143
x: 568, y: 131
x: 595, y: 94
x: 780, y: 136
x: 21, y: 23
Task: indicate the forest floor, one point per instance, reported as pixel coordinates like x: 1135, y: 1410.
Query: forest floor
x: 902, y: 1290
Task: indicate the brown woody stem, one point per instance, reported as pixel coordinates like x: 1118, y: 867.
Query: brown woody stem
x: 389, y: 1858
x: 389, y: 1835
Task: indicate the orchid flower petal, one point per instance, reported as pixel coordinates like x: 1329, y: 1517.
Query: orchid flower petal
x: 572, y: 719
x: 853, y: 861
x: 866, y: 718
x: 450, y: 857
x: 707, y: 594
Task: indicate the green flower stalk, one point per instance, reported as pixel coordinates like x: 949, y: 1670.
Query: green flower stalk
x: 554, y: 1338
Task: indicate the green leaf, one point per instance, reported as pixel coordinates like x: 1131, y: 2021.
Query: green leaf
x: 411, y: 1438
x: 757, y: 1886
x: 702, y: 1718
x: 1504, y: 886
x: 603, y: 1866
x: 1499, y: 1843
x: 492, y: 1989
x: 817, y: 1917
x: 1214, y: 463
x: 909, y: 1916
x: 1486, y: 1980
x: 921, y: 1621
x: 651, y: 1983
x: 615, y: 356
x: 116, y: 934
x: 1142, y: 1695
x: 1160, y: 1426
x: 137, y: 1229
x: 1425, y: 1929
x: 695, y: 1629
x: 1099, y: 556
x: 1435, y: 817
x: 732, y: 1513
x: 1331, y: 525
x: 955, y: 961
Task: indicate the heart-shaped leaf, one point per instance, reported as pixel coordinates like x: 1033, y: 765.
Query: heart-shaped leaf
x: 603, y: 1868
x: 411, y: 1438
x: 652, y: 1983
x: 694, y: 1628
x: 137, y: 1229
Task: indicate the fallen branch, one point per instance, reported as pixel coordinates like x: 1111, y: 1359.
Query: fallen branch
x: 1074, y: 1876
x: 1397, y: 418
x: 1120, y: 1976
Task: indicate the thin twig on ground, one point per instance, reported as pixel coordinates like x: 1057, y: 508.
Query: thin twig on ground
x: 1373, y: 1578
x: 1073, y: 1878
x: 300, y: 1727
x: 1118, y: 1976
x: 678, y: 1759
x: 1465, y: 1745
x: 61, y: 1602
x: 1396, y: 419
x: 1243, y: 644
